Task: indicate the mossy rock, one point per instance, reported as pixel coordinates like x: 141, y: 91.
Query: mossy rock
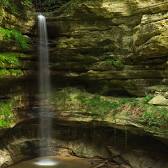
x: 121, y: 112
x: 7, y: 116
x: 108, y: 64
x: 158, y: 90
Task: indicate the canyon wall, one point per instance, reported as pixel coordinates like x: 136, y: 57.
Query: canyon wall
x: 122, y: 46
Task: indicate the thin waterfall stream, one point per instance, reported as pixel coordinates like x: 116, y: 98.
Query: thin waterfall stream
x: 44, y: 88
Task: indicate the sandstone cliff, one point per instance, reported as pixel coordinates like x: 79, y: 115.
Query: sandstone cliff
x: 120, y: 44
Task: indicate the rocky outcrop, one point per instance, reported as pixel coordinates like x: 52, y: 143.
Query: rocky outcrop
x: 127, y: 41
x: 21, y: 20
x: 159, y: 100
x: 16, y: 25
x: 16, y: 62
x: 144, y: 116
x: 22, y: 143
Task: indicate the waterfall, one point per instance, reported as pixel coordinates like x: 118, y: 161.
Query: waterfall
x: 44, y: 88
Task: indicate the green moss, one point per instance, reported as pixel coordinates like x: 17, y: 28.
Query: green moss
x: 10, y: 64
x: 138, y: 109
x: 72, y: 99
x: 14, y: 35
x: 109, y: 64
x: 15, y: 7
x: 9, y: 60
x: 7, y: 117
x: 155, y: 117
x: 98, y: 106
x: 116, y: 62
x: 11, y: 73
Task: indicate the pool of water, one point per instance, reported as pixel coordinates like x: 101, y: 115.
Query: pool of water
x: 53, y: 162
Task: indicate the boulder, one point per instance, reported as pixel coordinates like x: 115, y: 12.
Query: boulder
x: 159, y: 100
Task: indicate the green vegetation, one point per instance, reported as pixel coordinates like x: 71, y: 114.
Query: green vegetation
x: 10, y: 64
x: 72, y: 99
x: 147, y: 98
x: 15, y: 6
x: 100, y: 107
x: 155, y: 117
x: 7, y: 117
x: 10, y: 73
x: 9, y: 60
x: 108, y: 64
x: 14, y: 35
x: 116, y: 62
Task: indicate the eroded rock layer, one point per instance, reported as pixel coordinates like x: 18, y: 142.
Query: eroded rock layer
x: 123, y: 44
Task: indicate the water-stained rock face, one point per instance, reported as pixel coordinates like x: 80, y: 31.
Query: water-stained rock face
x: 24, y: 22
x: 17, y: 21
x: 123, y: 44
x: 22, y: 143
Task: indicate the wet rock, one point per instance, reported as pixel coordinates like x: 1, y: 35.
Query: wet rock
x: 5, y: 159
x: 159, y: 100
x: 22, y: 142
x: 23, y: 23
x: 138, y: 158
x: 158, y: 90
x: 83, y: 150
x: 134, y: 33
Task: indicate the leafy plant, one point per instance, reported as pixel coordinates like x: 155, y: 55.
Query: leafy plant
x: 9, y: 60
x: 147, y: 98
x: 116, y: 62
x: 10, y: 72
x: 155, y: 117
x: 26, y: 2
x: 12, y: 34
x: 98, y: 106
x: 8, y: 4
x: 6, y: 114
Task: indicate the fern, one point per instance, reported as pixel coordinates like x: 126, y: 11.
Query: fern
x: 9, y: 60
x: 12, y: 34
x: 7, y: 117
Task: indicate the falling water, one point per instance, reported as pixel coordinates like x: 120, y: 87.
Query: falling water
x: 44, y: 86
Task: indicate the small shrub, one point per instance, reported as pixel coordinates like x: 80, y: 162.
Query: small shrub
x: 12, y: 34
x: 6, y: 114
x: 155, y: 117
x: 10, y: 73
x: 147, y: 98
x: 9, y: 60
